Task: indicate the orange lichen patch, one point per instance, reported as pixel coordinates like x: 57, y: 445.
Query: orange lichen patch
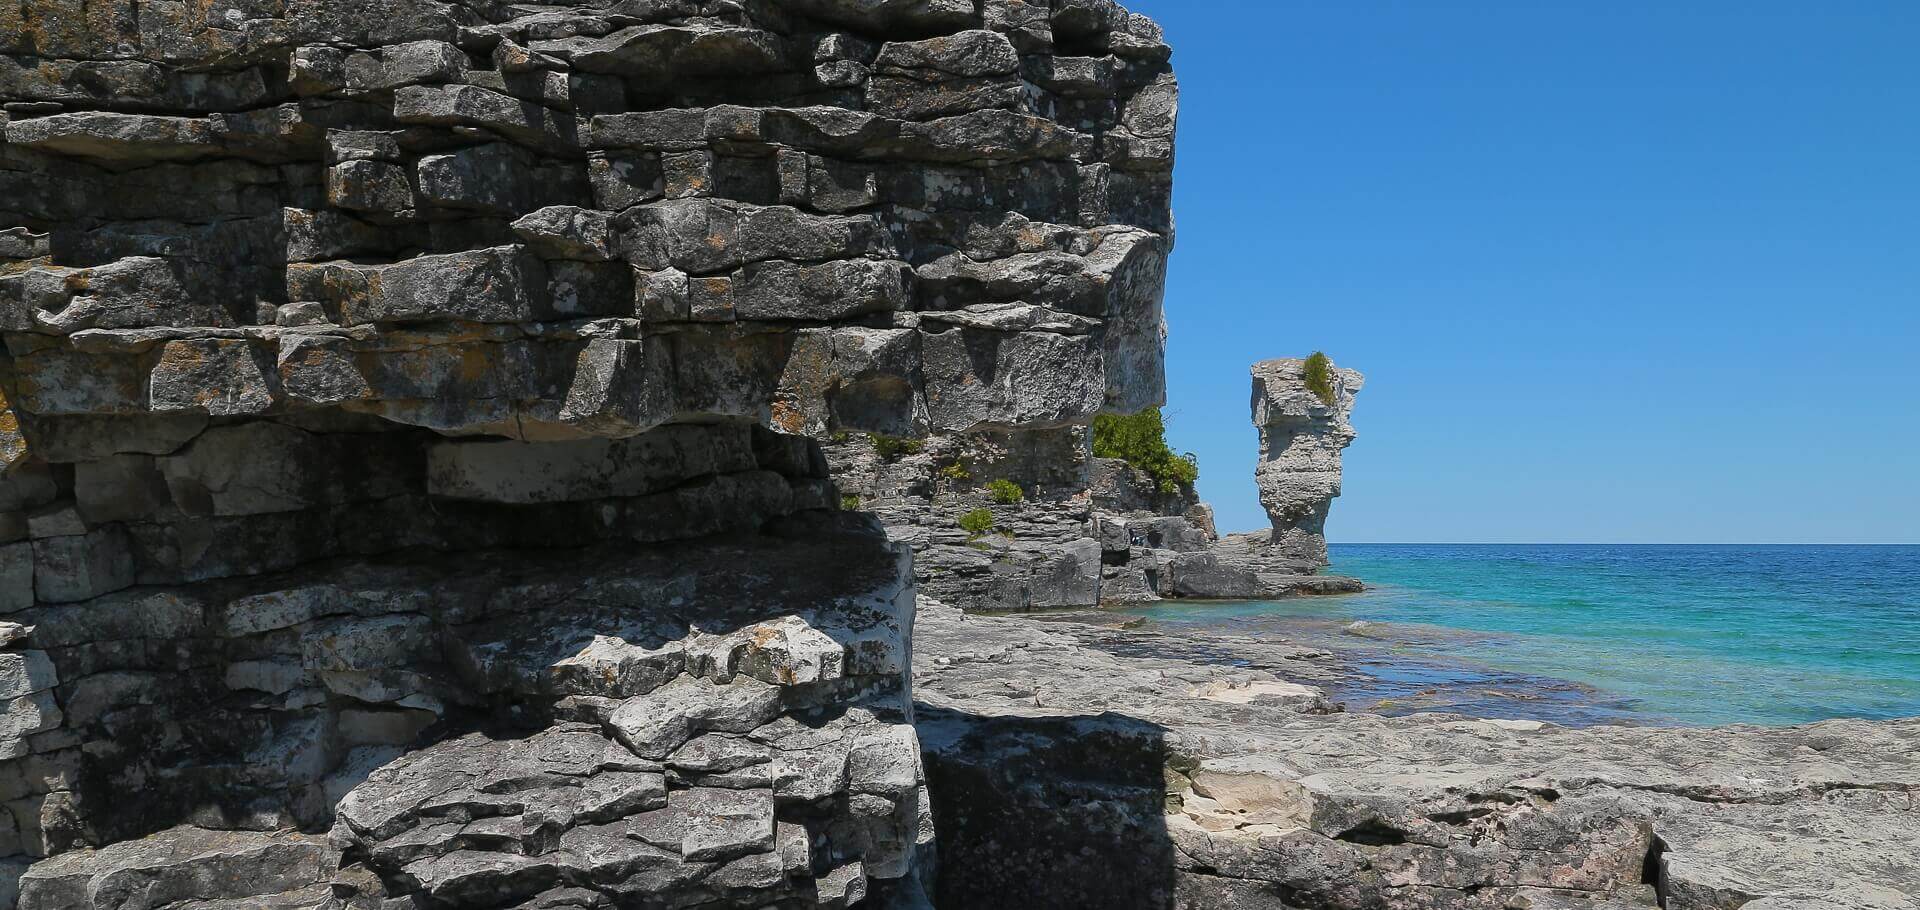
x: 13, y: 444
x: 787, y: 418
x: 181, y: 356
x: 475, y: 362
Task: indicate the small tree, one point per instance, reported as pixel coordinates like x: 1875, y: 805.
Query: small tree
x: 1006, y: 492
x: 1141, y: 440
x: 1318, y: 375
x: 892, y: 447
x: 977, y: 523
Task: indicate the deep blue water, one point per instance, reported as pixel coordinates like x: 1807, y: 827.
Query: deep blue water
x: 1694, y: 634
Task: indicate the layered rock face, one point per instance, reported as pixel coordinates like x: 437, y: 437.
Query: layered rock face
x: 404, y: 415
x: 1084, y: 531
x: 1301, y: 437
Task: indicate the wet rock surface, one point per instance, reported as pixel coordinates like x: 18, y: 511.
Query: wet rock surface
x: 1238, y: 788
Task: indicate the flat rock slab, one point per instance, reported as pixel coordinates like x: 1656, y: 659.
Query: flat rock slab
x: 186, y: 867
x: 1255, y: 800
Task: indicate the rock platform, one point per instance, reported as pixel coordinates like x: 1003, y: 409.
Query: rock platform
x: 1049, y: 757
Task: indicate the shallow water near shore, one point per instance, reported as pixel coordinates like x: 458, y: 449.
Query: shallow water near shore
x: 1603, y: 633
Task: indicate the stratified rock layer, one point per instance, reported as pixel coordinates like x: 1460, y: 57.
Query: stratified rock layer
x: 1068, y: 529
x: 1301, y: 436
x: 405, y: 413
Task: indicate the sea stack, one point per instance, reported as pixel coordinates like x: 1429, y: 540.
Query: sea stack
x: 1303, y: 428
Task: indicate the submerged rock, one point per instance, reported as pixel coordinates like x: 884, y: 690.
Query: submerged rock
x: 1231, y: 788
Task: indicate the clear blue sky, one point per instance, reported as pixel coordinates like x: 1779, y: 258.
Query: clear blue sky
x: 1616, y: 271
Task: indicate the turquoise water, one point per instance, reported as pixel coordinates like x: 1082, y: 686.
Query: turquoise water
x: 1694, y: 634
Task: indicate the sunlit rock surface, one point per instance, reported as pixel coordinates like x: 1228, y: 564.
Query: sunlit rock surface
x: 408, y: 486
x: 1051, y: 750
x: 1081, y: 531
x: 1301, y: 437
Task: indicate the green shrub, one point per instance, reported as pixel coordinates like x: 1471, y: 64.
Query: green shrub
x: 1006, y: 492
x: 849, y: 503
x: 977, y: 522
x: 1141, y: 440
x: 1318, y: 375
x: 958, y: 472
x: 892, y: 447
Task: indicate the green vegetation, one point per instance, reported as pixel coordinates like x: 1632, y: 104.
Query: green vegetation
x: 1319, y: 377
x: 977, y: 523
x: 840, y: 437
x: 1141, y: 440
x: 958, y: 472
x: 1006, y: 492
x: 892, y: 447
x: 849, y: 503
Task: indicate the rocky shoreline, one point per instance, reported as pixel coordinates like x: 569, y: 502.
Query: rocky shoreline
x: 1240, y: 788
x: 1370, y: 667
x: 467, y: 456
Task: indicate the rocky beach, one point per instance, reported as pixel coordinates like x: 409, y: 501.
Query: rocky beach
x: 1049, y: 750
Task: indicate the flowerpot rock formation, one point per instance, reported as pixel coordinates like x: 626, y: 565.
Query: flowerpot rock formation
x: 1301, y: 437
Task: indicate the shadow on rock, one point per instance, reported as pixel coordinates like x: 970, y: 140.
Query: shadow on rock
x: 1048, y: 811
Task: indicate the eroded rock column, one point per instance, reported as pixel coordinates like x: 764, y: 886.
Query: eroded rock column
x: 1302, y: 432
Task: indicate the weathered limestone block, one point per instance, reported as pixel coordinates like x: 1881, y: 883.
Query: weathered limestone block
x: 192, y: 865
x: 1300, y: 441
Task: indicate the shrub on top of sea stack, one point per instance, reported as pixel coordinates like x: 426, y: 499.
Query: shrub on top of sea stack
x: 1318, y: 376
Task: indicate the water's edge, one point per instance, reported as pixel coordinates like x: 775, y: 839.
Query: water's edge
x: 1602, y: 634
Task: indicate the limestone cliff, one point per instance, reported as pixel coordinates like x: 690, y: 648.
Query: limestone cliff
x: 407, y: 419
x: 1067, y: 529
x: 1301, y: 437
